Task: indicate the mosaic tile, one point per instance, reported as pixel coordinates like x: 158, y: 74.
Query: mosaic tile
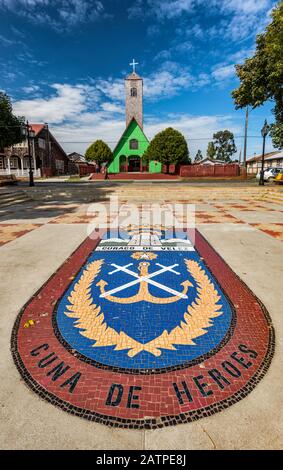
x: 215, y: 218
x: 274, y: 230
x: 75, y: 219
x: 143, y: 331
x: 9, y: 232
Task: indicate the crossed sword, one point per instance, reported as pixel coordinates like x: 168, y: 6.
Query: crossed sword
x: 147, y: 279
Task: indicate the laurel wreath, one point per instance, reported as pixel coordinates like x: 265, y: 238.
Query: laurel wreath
x: 90, y: 319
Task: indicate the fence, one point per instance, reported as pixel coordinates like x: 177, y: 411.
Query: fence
x: 20, y: 173
x: 210, y: 170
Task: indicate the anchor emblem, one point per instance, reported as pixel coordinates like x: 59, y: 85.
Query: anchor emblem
x: 143, y: 279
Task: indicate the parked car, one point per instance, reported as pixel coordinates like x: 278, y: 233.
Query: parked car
x: 279, y: 177
x: 269, y: 173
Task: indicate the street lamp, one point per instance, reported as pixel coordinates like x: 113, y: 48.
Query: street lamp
x: 29, y: 133
x: 264, y: 132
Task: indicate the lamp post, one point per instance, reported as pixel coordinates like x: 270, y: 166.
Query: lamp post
x: 30, y: 134
x: 264, y: 132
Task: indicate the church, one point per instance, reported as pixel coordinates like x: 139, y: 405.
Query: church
x: 128, y: 153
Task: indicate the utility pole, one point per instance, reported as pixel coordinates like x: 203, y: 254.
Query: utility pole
x: 264, y: 132
x: 246, y: 137
x: 29, y: 134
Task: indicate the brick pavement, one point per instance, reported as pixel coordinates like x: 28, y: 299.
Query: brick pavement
x: 139, y: 398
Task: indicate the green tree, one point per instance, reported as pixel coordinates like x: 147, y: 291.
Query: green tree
x: 276, y: 133
x: 99, y: 152
x: 211, y: 150
x: 10, y: 125
x: 168, y: 146
x: 198, y: 156
x: 261, y: 76
x: 224, y: 145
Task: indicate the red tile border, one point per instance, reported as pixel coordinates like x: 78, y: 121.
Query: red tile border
x: 145, y: 400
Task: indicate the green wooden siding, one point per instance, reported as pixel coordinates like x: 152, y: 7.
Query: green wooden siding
x: 133, y: 131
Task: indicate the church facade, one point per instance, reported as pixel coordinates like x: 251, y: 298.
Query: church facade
x: 129, y: 151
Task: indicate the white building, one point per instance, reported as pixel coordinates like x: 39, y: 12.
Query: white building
x: 271, y: 160
x: 144, y: 239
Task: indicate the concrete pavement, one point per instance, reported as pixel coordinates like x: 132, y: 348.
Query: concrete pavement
x: 251, y: 243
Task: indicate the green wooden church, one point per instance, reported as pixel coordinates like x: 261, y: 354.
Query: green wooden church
x: 128, y: 153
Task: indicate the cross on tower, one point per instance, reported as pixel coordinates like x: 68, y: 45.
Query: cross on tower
x: 134, y: 65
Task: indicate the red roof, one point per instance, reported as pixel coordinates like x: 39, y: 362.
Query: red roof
x: 37, y: 128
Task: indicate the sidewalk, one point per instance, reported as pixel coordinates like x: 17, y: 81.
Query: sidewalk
x: 246, y: 232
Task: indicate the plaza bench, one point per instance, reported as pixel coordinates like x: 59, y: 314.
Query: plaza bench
x: 8, y: 179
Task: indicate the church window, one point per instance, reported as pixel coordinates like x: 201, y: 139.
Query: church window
x: 134, y: 91
x: 134, y: 144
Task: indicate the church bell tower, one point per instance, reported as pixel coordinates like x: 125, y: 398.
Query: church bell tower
x: 134, y: 97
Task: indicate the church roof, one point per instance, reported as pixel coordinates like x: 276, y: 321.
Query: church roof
x: 125, y: 132
x: 133, y: 76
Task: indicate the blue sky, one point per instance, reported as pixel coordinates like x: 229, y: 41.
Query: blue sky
x: 64, y: 62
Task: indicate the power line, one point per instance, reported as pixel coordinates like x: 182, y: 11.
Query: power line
x: 142, y: 141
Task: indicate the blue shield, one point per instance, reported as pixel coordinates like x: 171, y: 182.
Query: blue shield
x: 144, y: 302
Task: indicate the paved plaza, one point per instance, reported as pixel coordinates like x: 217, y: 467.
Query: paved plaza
x: 141, y: 341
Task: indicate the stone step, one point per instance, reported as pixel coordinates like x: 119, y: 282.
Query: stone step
x: 12, y: 198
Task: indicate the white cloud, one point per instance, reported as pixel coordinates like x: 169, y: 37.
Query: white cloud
x: 79, y: 114
x: 172, y: 9
x: 223, y: 72
x: 112, y: 108
x: 159, y: 8
x: 165, y: 54
x: 197, y: 129
x: 237, y: 19
x: 175, y: 8
x: 59, y: 14
x: 246, y: 6
x: 104, y: 97
x: 6, y: 42
x: 31, y: 89
x: 111, y: 88
x: 248, y: 17
x: 166, y: 83
x: 67, y: 103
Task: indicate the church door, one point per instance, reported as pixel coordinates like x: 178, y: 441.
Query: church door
x: 123, y: 163
x: 134, y: 164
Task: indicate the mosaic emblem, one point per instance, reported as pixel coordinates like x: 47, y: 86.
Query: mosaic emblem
x: 143, y: 331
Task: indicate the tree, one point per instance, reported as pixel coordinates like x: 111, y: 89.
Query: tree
x: 276, y: 134
x: 224, y: 145
x: 198, y: 156
x: 168, y: 146
x: 99, y: 152
x: 211, y: 150
x: 261, y: 76
x: 10, y: 125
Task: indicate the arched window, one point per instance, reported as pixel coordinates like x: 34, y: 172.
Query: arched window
x: 26, y: 162
x: 134, y: 92
x: 134, y: 145
x: 15, y: 162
